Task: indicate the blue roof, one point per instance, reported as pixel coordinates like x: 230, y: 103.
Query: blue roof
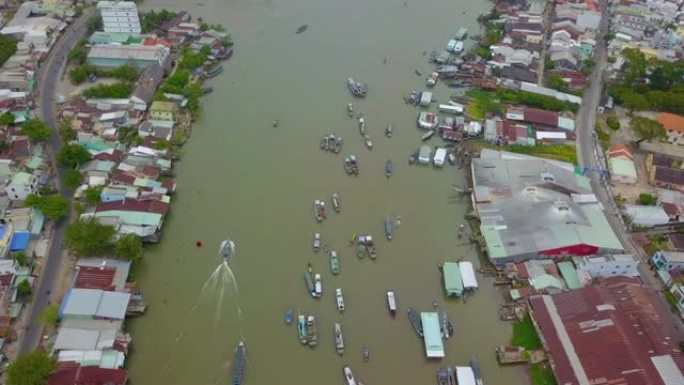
x: 3, y: 229
x: 20, y: 241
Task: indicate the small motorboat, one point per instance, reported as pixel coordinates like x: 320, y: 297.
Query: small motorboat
x: 207, y: 90
x: 339, y: 300
x: 362, y: 125
x: 391, y: 303
x: 413, y: 158
x: 417, y: 73
x: 357, y: 88
x: 477, y: 373
x: 227, y: 250
x: 310, y: 287
x: 302, y: 28
x: 388, y: 228
x: 366, y: 354
x: 350, y: 110
x: 388, y: 168
x: 442, y: 376
x: 303, y: 335
x: 451, y: 375
x: 239, y: 360
x: 351, y: 165
x: 367, y: 243
x: 414, y: 317
x: 389, y: 131
x: 289, y: 316
x: 432, y: 79
x: 334, y: 263
x: 339, y: 339
x: 337, y: 145
x: 336, y: 202
x: 309, y: 268
x: 320, y: 212
x: 452, y: 158
x: 348, y: 375
x: 450, y: 328
x: 427, y: 135
x: 368, y: 141
x: 316, y: 242
x: 311, y: 337
x: 318, y: 285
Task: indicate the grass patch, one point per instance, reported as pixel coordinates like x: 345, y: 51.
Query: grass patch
x: 541, y: 374
x: 560, y: 152
x: 525, y: 335
x: 670, y: 298
x: 482, y: 102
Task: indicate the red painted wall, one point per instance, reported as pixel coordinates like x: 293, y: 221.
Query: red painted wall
x: 575, y: 250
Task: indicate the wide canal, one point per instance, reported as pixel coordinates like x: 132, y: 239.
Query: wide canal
x: 243, y: 179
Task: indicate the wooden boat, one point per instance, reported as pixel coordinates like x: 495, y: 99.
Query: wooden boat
x: 389, y: 131
x: 362, y: 125
x: 353, y: 239
x: 475, y: 366
x: 337, y: 145
x: 289, y: 316
x: 450, y: 328
x: 452, y: 158
x: 414, y: 317
x: 444, y: 324
x: 388, y: 168
x: 356, y: 88
x: 207, y: 90
x: 210, y: 73
x: 311, y: 337
x: 350, y: 110
x: 370, y: 247
x: 302, y: 329
x: 348, y: 375
x: 339, y: 339
x: 413, y: 158
x: 239, y: 360
x: 452, y: 377
x: 309, y: 268
x: 368, y: 141
x: 320, y: 213
x: 336, y: 202
x: 302, y: 28
x: 442, y: 377
x: 334, y: 263
x: 391, y: 303
x: 316, y: 242
x: 366, y: 354
x: 388, y: 228
x: 432, y: 79
x: 351, y: 165
x: 339, y: 300
x: 310, y: 284
x: 427, y: 135
x: 318, y: 286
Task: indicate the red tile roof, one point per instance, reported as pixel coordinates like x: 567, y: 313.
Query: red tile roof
x: 115, y: 156
x: 87, y: 375
x: 151, y: 206
x: 89, y: 277
x: 671, y: 121
x: 537, y: 116
x: 620, y: 150
x: 613, y: 328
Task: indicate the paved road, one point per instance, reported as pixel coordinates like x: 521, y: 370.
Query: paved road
x: 47, y: 79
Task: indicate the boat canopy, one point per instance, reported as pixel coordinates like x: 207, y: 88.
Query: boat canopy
x: 440, y: 157
x: 453, y: 282
x: 465, y: 375
x: 434, y: 348
x: 468, y: 275
x: 424, y: 154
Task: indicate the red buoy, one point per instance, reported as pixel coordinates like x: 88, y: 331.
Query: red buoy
x: 198, y: 244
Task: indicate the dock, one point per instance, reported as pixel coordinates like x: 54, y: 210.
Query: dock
x: 453, y: 282
x: 432, y: 335
x: 136, y: 305
x: 509, y: 355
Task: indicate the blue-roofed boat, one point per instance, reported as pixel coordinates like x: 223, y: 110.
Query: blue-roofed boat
x: 302, y: 329
x: 334, y: 263
x: 475, y: 366
x: 414, y: 317
x: 239, y: 360
x: 310, y: 284
x: 388, y: 168
x: 289, y: 316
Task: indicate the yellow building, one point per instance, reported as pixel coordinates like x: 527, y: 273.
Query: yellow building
x: 163, y: 111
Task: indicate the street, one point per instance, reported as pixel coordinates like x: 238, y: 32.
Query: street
x: 47, y: 77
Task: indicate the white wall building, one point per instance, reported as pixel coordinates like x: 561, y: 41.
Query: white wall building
x: 21, y: 185
x: 608, y: 265
x: 119, y: 16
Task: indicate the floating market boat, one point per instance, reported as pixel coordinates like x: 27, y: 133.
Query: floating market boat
x: 427, y: 120
x: 451, y: 45
x: 310, y: 284
x: 452, y: 377
x: 389, y: 131
x: 289, y: 316
x: 350, y: 110
x: 210, y: 73
x: 348, y: 375
x: 351, y: 165
x: 320, y: 213
x: 302, y: 329
x: 316, y: 242
x: 459, y: 47
x: 366, y: 244
x: 427, y: 135
x: 452, y: 158
x: 450, y: 328
x: 414, y: 317
x: 475, y: 366
x: 442, y: 376
x: 336, y: 202
x: 362, y: 125
x: 356, y: 88
x: 311, y: 337
x: 388, y: 168
x: 239, y: 360
x: 207, y: 90
x: 444, y: 324
x: 461, y: 34
x: 432, y: 79
x: 368, y: 141
x: 391, y: 303
x: 302, y: 28
x: 339, y: 300
x: 388, y: 228
x: 334, y: 263
x: 318, y: 286
x: 413, y: 158
x: 339, y: 339
x: 366, y: 354
x: 337, y: 146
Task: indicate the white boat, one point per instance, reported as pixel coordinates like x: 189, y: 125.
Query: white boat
x: 427, y: 135
x: 432, y: 79
x: 451, y: 45
x: 318, y: 286
x: 391, y: 303
x: 440, y: 157
x: 316, y: 242
x: 362, y: 125
x: 339, y: 299
x: 458, y: 48
x: 348, y: 375
x: 452, y: 158
x: 425, y: 155
x: 227, y: 250
x: 369, y: 143
x: 339, y: 339
x: 427, y: 120
x: 451, y: 108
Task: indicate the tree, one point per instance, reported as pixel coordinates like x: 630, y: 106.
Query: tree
x: 49, y: 315
x: 647, y: 129
x: 72, y: 155
x: 129, y: 247
x: 87, y: 237
x: 92, y: 195
x: 31, y: 369
x: 6, y: 118
x: 8, y: 47
x: 613, y: 123
x: 24, y: 288
x: 79, y: 53
x: 556, y: 81
x: 36, y: 130
x: 72, y: 179
x: 66, y: 131
x: 647, y: 199
x: 94, y: 23
x: 20, y: 258
x: 54, y: 206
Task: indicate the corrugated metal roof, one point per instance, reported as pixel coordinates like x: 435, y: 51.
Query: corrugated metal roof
x: 434, y: 348
x: 567, y: 270
x: 85, y: 303
x: 608, y: 333
x: 453, y: 282
x: 468, y: 275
